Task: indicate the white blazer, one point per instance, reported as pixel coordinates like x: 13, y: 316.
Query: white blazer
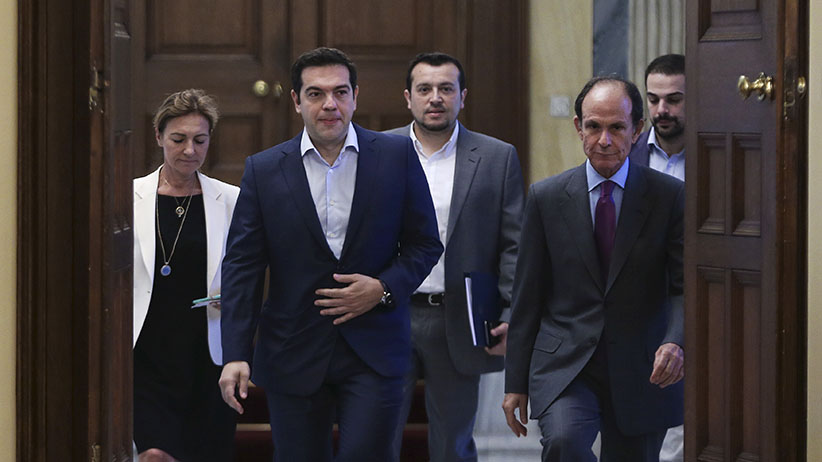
x: 218, y: 199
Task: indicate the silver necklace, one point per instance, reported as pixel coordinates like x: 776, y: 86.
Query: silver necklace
x: 166, y: 268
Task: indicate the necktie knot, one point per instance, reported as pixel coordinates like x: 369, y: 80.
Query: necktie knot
x: 606, y: 188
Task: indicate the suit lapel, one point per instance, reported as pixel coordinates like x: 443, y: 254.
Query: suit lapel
x: 467, y: 161
x: 367, y: 164
x: 215, y: 217
x: 632, y: 216
x: 291, y: 165
x: 576, y: 210
x: 144, y: 228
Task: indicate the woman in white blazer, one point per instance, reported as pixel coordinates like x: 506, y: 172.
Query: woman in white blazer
x: 181, y: 220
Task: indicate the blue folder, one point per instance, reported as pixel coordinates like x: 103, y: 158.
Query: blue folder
x: 484, y: 307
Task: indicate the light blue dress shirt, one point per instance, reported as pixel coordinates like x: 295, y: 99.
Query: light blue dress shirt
x: 332, y: 186
x: 661, y: 162
x: 594, y: 180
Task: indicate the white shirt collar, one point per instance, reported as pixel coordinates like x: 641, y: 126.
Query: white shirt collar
x: 445, y: 147
x: 350, y: 141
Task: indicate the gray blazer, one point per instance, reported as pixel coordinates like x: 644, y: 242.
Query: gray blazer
x: 562, y: 309
x: 483, y: 231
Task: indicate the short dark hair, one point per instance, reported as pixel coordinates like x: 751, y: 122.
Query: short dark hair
x: 672, y: 64
x: 318, y: 57
x: 185, y: 102
x: 434, y: 58
x: 630, y: 89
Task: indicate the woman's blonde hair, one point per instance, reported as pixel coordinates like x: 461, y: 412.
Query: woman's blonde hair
x: 186, y: 102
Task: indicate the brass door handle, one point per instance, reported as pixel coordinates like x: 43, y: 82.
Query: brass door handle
x: 261, y: 89
x: 763, y: 86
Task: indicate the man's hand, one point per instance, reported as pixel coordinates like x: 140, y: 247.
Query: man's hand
x: 510, y: 403
x: 669, y: 365
x: 499, y: 348
x: 235, y: 375
x: 361, y: 295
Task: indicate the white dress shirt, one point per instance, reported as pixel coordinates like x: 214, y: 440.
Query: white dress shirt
x: 332, y: 186
x: 659, y: 160
x: 439, y: 170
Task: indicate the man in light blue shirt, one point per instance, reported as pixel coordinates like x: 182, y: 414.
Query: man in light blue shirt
x: 663, y: 146
x: 595, y: 341
x: 342, y: 218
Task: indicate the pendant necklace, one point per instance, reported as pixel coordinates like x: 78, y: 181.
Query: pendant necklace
x: 181, y: 207
x: 166, y: 268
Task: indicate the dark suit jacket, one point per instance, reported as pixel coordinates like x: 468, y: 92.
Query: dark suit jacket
x: 562, y: 309
x: 391, y: 235
x: 483, y: 231
x: 640, y: 154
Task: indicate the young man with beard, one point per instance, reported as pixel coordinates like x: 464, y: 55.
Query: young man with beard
x: 663, y: 148
x: 477, y: 188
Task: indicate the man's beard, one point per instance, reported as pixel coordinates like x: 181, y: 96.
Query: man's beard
x: 435, y: 127
x: 673, y: 131
x: 439, y: 127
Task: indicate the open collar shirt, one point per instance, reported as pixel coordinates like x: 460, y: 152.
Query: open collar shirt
x: 439, y: 170
x: 659, y: 160
x: 332, y: 186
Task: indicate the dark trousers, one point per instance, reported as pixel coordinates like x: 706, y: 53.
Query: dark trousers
x: 365, y: 404
x: 450, y: 396
x: 570, y: 425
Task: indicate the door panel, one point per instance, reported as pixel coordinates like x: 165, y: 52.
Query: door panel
x: 223, y: 47
x: 110, y: 217
x: 259, y: 40
x: 744, y: 396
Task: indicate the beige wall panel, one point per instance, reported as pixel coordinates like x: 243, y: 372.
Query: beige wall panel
x: 561, y: 62
x: 8, y: 226
x: 815, y: 238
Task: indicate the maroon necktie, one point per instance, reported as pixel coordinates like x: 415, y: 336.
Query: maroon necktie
x: 605, y: 226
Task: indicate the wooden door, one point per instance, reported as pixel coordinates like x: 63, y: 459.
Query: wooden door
x: 745, y: 233
x: 225, y: 46
x: 74, y: 234
x: 110, y: 234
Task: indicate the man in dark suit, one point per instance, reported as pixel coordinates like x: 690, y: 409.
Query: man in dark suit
x: 595, y: 339
x: 342, y: 218
x: 663, y: 149
x: 476, y: 185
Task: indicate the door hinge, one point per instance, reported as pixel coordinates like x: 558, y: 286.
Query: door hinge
x: 96, y: 453
x: 95, y: 89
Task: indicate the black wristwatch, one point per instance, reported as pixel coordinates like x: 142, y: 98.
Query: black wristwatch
x: 387, y: 299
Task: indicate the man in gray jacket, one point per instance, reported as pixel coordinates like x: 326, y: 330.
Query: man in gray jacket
x: 477, y: 188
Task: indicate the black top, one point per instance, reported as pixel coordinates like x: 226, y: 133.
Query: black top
x: 173, y: 342
x: 177, y: 402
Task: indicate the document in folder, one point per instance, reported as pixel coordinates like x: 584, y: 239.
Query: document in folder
x: 484, y: 307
